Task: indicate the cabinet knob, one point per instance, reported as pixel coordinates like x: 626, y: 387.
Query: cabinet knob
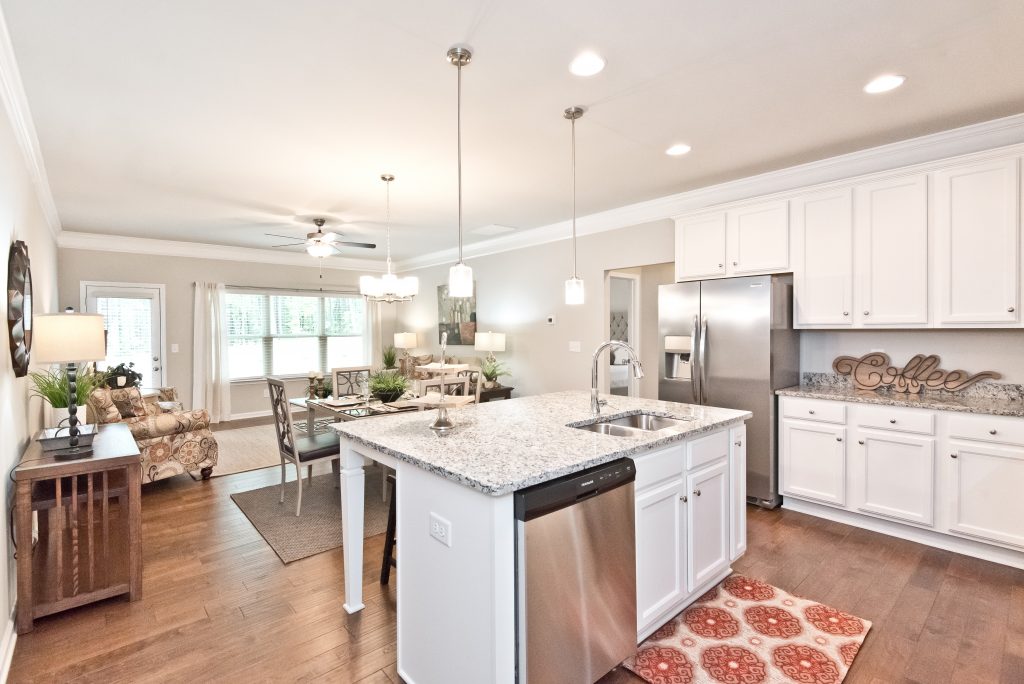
x: 846, y: 313
x: 697, y: 492
x: 811, y: 411
x: 721, y: 265
x: 1010, y: 309
x: 735, y: 263
x: 892, y: 420
x: 867, y: 313
x: 991, y: 432
x: 952, y: 455
x: 684, y: 498
x: 860, y: 441
x: 839, y: 439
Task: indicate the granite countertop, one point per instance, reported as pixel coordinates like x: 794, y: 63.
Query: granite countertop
x: 994, y: 404
x: 501, y: 446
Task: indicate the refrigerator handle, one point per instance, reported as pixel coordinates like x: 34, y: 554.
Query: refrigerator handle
x: 703, y: 360
x: 694, y: 361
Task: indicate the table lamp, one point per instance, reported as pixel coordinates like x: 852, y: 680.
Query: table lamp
x: 490, y: 342
x: 69, y: 338
x: 405, y: 341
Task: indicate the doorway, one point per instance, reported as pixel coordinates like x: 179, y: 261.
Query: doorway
x: 133, y: 316
x: 623, y: 311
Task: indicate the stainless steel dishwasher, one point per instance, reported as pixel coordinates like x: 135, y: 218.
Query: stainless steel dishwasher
x: 576, y: 575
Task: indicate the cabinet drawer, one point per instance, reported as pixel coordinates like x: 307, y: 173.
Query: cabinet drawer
x: 659, y: 466
x: 892, y: 418
x: 707, y: 449
x: 999, y: 429
x: 814, y: 409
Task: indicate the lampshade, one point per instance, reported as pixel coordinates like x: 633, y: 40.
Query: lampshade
x: 574, y: 291
x: 490, y: 341
x: 405, y: 340
x: 460, y: 281
x: 67, y: 337
x: 319, y: 249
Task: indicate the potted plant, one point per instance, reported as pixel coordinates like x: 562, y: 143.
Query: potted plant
x: 387, y: 385
x: 492, y: 369
x: 52, y: 387
x: 123, y: 375
x: 390, y: 358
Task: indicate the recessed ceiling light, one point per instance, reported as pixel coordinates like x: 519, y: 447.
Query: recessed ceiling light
x: 587, y: 64
x: 677, y: 150
x: 884, y: 83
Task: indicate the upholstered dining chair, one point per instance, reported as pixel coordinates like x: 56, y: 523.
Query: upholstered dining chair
x: 346, y: 380
x: 301, y: 451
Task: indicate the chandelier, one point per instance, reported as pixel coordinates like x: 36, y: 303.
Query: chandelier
x: 388, y: 288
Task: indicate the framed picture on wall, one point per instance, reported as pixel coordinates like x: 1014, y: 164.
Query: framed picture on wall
x: 456, y: 316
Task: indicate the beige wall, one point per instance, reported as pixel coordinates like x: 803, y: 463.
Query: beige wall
x: 20, y: 415
x: 178, y: 275
x: 517, y: 290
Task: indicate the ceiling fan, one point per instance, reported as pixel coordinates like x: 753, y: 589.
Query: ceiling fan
x: 321, y: 244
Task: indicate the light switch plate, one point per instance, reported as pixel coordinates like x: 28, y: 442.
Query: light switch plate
x: 574, y: 345
x: 550, y: 319
x: 174, y: 348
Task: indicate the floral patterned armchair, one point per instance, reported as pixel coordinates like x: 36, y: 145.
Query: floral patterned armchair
x: 171, y: 441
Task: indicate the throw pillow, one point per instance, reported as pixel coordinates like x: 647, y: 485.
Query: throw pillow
x: 129, y: 402
x: 103, y: 407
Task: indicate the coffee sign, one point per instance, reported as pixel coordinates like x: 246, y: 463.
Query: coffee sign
x: 875, y: 370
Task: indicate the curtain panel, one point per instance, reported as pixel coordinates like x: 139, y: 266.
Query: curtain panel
x: 211, y: 388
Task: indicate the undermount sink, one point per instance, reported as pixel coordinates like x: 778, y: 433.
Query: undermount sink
x: 634, y: 425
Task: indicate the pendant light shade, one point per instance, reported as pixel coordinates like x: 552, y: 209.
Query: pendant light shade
x: 460, y: 276
x: 388, y: 288
x: 574, y: 285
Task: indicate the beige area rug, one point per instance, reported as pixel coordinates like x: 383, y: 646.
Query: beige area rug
x: 252, y: 448
x: 745, y: 631
x: 318, y: 529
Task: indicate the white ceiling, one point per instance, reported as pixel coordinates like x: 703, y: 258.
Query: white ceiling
x: 217, y: 122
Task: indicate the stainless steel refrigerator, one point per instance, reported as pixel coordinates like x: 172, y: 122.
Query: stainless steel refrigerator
x: 730, y: 343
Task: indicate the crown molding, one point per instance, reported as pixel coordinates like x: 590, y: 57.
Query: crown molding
x: 198, y: 250
x: 966, y: 140
x: 12, y: 92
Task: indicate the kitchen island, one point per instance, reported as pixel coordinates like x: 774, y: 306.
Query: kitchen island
x: 456, y: 528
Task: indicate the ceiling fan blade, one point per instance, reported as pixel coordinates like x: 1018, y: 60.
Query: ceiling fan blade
x: 288, y: 244
x: 365, y: 245
x: 330, y: 236
x: 287, y: 237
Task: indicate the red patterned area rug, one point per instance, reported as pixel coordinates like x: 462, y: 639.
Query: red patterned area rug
x: 745, y: 631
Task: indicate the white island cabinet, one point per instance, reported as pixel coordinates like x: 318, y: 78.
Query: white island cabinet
x: 456, y: 531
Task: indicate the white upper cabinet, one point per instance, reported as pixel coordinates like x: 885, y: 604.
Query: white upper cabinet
x: 891, y: 233
x: 977, y: 251
x: 700, y: 246
x: 822, y: 232
x: 758, y: 238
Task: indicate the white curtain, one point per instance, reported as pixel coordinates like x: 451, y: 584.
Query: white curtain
x: 375, y: 353
x: 211, y: 388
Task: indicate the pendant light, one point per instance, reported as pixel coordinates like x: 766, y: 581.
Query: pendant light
x: 460, y: 276
x: 574, y: 285
x: 388, y: 288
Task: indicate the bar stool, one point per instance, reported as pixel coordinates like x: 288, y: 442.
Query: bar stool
x: 389, y: 561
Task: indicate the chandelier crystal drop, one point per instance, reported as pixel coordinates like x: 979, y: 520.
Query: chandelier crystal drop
x: 574, y: 294
x: 460, y: 276
x: 388, y: 288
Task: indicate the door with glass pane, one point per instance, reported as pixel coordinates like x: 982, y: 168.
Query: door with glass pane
x: 133, y: 316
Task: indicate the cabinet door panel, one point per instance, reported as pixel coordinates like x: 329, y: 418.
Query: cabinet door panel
x: 659, y: 550
x: 896, y: 476
x: 738, y: 481
x: 707, y: 528
x: 987, y: 483
x: 976, y: 243
x: 891, y: 231
x: 822, y: 227
x: 814, y: 462
x: 758, y: 238
x: 700, y: 246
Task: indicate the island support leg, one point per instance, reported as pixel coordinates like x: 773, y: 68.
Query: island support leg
x: 353, y: 481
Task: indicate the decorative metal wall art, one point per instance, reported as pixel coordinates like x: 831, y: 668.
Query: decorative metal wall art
x: 19, y: 307
x: 874, y: 370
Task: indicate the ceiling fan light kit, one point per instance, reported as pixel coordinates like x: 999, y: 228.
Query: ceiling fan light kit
x: 460, y: 276
x: 574, y: 292
x: 388, y: 288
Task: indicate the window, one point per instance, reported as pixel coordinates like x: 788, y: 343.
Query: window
x: 292, y: 334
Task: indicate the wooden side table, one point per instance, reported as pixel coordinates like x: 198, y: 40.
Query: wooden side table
x: 88, y: 549
x: 495, y: 393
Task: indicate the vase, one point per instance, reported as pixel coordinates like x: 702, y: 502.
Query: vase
x: 388, y: 397
x: 490, y: 384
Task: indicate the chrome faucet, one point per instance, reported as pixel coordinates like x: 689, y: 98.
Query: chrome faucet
x: 634, y: 362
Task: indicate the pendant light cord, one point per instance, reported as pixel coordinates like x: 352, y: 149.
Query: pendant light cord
x: 458, y: 120
x: 573, y: 124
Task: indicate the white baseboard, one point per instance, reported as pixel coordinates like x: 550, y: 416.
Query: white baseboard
x: 967, y: 547
x: 7, y: 647
x: 250, y: 414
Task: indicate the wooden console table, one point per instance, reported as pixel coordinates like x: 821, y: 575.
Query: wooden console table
x: 88, y: 549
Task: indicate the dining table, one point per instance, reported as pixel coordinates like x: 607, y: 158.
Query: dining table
x: 348, y: 408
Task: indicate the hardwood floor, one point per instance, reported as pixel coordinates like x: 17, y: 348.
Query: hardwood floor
x: 218, y: 605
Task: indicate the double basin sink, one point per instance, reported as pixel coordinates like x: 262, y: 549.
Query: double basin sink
x: 633, y: 426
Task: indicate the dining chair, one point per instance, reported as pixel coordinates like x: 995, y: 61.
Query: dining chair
x: 301, y: 451
x: 346, y: 380
x: 475, y: 376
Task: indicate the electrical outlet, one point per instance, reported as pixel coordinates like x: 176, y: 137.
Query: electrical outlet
x: 441, y: 529
x: 266, y: 393
x: 574, y: 346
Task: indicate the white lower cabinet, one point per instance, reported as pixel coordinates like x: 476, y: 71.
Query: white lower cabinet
x: 707, y: 528
x: 738, y: 481
x: 986, y: 483
x: 660, y: 549
x: 813, y: 464
x: 894, y: 476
